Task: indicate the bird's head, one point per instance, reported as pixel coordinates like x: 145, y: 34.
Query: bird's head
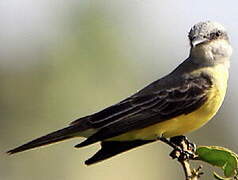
x: 209, y: 40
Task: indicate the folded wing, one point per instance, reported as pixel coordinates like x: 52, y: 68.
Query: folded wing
x: 140, y: 111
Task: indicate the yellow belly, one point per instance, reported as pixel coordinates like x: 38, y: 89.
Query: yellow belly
x: 189, y: 122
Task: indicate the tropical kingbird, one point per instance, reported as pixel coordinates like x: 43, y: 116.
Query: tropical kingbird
x: 178, y: 103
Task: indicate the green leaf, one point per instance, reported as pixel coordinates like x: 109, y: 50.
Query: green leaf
x: 220, y: 157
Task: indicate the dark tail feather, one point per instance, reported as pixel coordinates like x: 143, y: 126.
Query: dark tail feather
x: 113, y: 148
x: 53, y: 137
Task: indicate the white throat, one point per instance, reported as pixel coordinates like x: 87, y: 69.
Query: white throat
x: 214, y: 52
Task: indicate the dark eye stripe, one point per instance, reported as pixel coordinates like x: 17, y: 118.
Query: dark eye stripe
x: 215, y: 35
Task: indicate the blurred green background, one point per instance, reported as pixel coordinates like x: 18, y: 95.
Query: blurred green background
x: 60, y: 60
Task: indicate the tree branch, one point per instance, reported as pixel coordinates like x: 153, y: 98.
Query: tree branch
x: 187, y: 170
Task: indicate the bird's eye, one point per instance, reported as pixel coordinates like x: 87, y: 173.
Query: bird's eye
x: 218, y: 33
x: 215, y: 35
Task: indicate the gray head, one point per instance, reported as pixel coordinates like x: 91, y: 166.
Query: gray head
x: 209, y: 40
x: 206, y: 31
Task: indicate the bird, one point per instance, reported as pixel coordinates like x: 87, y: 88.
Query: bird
x: 178, y: 103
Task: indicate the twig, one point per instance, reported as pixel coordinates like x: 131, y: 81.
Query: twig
x: 187, y: 170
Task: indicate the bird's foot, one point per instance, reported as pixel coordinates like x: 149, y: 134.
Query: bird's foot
x: 183, y: 148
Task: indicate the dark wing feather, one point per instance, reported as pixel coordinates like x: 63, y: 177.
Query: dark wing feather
x: 121, y: 110
x: 146, y: 110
